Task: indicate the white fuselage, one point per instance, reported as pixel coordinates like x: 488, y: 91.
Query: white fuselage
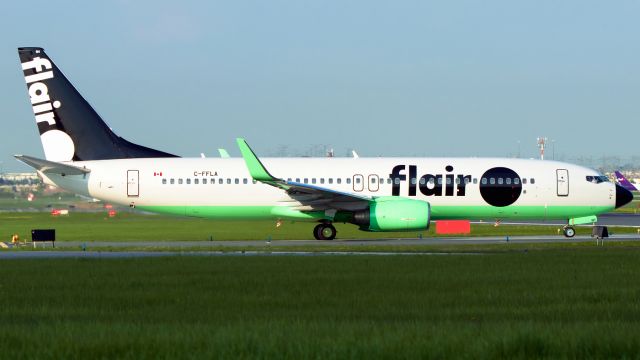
x: 223, y: 187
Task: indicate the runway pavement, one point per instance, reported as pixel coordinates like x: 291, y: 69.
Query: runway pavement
x: 335, y: 243
x: 122, y: 249
x: 109, y: 250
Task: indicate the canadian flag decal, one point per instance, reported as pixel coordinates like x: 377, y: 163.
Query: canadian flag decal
x: 157, y: 173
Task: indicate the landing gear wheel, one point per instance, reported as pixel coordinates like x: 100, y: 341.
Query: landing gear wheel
x: 569, y: 231
x: 324, y: 232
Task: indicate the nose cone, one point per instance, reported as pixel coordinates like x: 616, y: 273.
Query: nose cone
x: 623, y: 196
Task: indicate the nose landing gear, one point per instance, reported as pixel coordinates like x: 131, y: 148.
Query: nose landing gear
x: 324, y: 231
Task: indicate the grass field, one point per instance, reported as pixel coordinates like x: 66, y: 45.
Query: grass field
x: 553, y: 304
x: 134, y: 227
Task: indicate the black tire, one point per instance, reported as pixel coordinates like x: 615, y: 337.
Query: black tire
x: 317, y: 232
x: 324, y: 232
x: 569, y: 231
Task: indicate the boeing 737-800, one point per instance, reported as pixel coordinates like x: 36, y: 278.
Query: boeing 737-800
x: 84, y: 156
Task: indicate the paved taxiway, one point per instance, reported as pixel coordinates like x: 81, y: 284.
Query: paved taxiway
x: 120, y: 249
x: 336, y: 243
x: 107, y: 250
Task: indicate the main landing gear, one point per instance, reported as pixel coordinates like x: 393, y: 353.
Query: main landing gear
x: 324, y: 231
x: 569, y: 231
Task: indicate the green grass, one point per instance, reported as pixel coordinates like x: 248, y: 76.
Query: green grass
x: 548, y: 304
x: 136, y: 227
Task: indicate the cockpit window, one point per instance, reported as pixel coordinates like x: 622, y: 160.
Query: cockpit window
x: 597, y: 179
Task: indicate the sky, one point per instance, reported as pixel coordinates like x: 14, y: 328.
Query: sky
x: 386, y: 78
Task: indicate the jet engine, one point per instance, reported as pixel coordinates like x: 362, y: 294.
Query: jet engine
x: 391, y: 213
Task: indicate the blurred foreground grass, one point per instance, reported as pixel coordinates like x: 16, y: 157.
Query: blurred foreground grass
x: 583, y: 303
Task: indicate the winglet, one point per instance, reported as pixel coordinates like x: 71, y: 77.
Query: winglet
x: 256, y: 169
x: 223, y: 153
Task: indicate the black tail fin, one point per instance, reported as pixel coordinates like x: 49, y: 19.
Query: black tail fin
x: 69, y: 127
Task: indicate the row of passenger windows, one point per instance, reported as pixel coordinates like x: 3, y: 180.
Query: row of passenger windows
x: 357, y: 180
x: 197, y: 181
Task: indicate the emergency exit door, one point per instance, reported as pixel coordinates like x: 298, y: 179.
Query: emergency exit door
x: 563, y: 182
x: 133, y: 187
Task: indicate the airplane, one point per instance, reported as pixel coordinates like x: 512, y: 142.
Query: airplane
x: 83, y: 155
x: 622, y: 181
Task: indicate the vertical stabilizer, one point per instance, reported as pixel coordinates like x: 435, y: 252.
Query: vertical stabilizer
x: 622, y: 181
x: 69, y: 128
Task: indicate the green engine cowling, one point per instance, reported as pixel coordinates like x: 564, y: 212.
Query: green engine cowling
x: 391, y: 213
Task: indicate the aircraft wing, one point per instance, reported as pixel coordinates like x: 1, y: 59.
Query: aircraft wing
x: 51, y: 167
x: 312, y: 197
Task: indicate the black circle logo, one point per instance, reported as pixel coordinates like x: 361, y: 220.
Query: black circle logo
x: 500, y: 186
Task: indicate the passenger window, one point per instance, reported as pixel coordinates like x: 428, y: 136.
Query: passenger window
x: 484, y: 181
x: 254, y: 181
x: 475, y: 180
x: 357, y: 180
x: 439, y: 181
x: 467, y: 181
x: 172, y: 181
x: 321, y: 180
x: 229, y: 181
x: 313, y: 180
x: 237, y: 181
x: 196, y: 181
x: 516, y: 181
x: 298, y: 180
x: 373, y: 180
x: 508, y: 181
x: 389, y: 181
x: 204, y: 181
x: 339, y: 181
x: 448, y: 181
x: 220, y: 181
x: 423, y: 181
x: 492, y: 181
x: 330, y: 180
x: 500, y: 181
x: 245, y: 181
x: 306, y: 180
x: 164, y: 181
x: 533, y: 181
x: 397, y: 181
x: 289, y: 180
x: 524, y: 180
x: 189, y: 181
x: 457, y: 180
x: 179, y: 181
x: 413, y: 181
x: 348, y: 180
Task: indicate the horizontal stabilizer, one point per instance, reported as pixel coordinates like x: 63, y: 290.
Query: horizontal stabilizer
x: 51, y: 167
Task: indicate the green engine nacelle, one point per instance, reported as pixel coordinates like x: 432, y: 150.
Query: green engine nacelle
x: 394, y: 214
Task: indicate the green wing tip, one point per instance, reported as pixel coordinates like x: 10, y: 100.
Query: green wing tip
x: 256, y: 169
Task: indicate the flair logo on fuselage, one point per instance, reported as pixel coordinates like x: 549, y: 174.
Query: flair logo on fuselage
x: 429, y: 184
x: 41, y: 102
